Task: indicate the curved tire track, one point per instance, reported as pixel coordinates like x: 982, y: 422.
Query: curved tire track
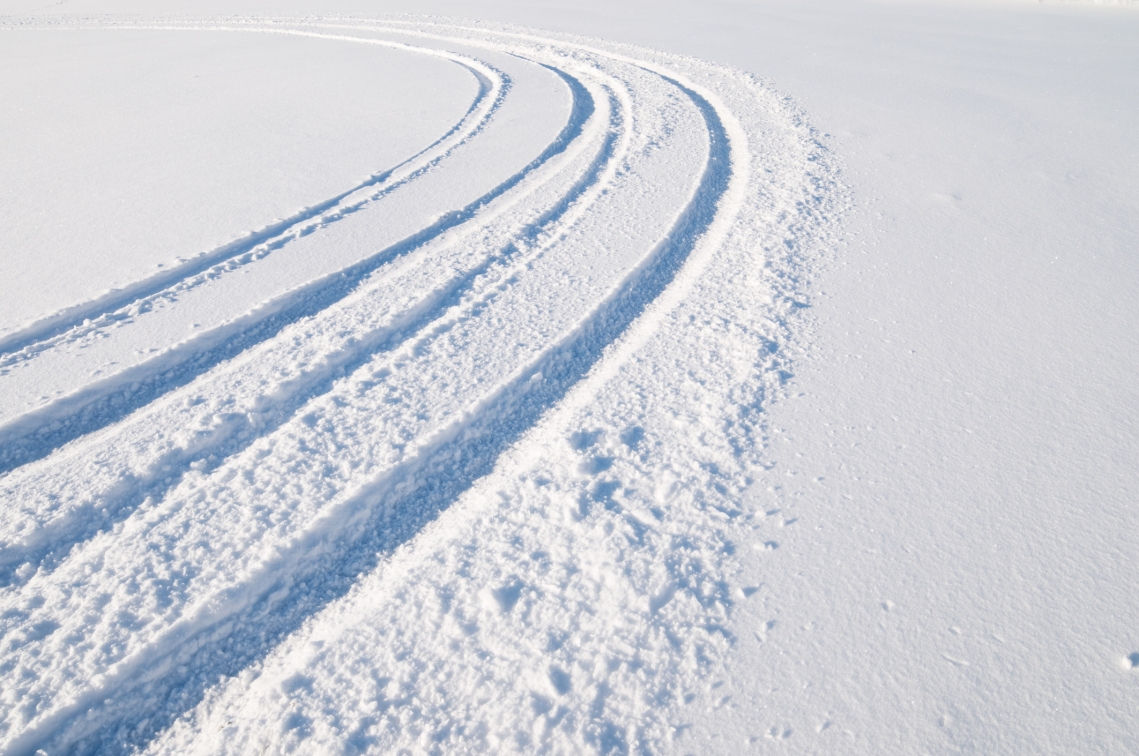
x: 120, y: 632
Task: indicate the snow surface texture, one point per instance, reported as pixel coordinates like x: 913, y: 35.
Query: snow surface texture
x: 452, y: 461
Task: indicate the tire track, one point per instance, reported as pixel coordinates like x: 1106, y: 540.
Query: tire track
x: 324, y: 476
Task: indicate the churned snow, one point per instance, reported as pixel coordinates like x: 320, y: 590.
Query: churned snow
x: 486, y: 382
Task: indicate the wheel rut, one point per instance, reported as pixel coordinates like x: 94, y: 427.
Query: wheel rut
x: 178, y: 522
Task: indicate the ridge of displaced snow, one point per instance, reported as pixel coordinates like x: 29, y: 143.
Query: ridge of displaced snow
x: 481, y: 487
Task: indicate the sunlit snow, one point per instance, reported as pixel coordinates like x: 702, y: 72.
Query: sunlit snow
x: 626, y: 378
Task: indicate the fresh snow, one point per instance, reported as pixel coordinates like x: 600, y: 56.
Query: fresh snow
x: 433, y: 384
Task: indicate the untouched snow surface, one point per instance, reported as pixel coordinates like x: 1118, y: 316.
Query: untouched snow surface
x: 566, y: 397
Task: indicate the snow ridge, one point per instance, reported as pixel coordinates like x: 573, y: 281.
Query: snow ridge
x: 481, y: 480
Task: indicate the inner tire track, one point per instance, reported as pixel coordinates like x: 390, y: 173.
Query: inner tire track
x: 35, y: 435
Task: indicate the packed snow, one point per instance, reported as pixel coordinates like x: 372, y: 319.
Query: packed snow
x: 527, y: 379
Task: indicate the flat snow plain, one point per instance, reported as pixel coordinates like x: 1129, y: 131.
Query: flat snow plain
x: 432, y: 384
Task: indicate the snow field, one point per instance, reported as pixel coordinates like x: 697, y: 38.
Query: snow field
x: 468, y: 489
